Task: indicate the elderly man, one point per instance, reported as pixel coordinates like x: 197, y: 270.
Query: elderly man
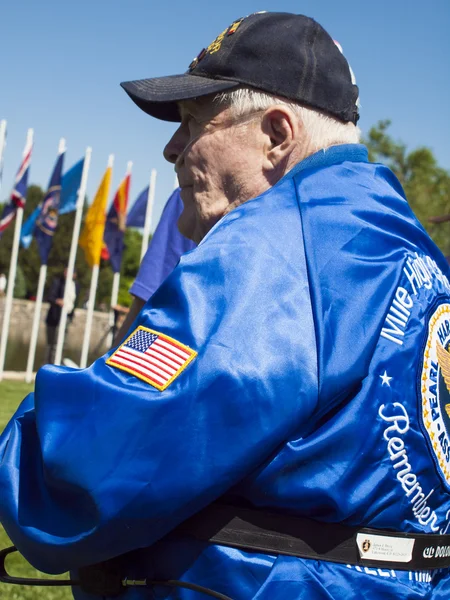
x: 276, y: 424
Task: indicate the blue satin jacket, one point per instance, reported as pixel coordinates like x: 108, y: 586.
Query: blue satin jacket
x: 301, y: 365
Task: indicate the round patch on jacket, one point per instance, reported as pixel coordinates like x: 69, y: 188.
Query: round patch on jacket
x: 435, y: 388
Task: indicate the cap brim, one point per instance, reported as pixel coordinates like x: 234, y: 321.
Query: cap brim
x: 158, y: 97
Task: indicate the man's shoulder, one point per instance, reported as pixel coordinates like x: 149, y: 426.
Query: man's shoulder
x: 267, y: 213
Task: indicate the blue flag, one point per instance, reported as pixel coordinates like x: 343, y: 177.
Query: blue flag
x: 70, y: 185
x: 47, y: 219
x: 136, y: 216
x: 26, y: 233
x: 69, y: 190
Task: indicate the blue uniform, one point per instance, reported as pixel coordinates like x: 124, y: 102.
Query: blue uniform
x: 306, y: 341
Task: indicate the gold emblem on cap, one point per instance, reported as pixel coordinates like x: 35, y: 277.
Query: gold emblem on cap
x: 234, y: 26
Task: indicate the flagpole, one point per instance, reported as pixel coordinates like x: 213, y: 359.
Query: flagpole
x: 91, y: 301
x: 35, y: 327
x: 38, y: 303
x: 89, y: 315
x: 115, y: 286
x: 2, y: 146
x: 114, y: 297
x: 73, y: 254
x: 12, y: 271
x: 148, y: 213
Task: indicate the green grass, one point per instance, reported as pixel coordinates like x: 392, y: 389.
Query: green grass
x: 11, y: 394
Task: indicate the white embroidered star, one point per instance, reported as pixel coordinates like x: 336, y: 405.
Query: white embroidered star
x: 385, y: 379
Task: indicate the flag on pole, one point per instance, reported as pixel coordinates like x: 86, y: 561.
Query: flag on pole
x: 47, y: 219
x: 19, y: 193
x: 70, y: 185
x: 26, y: 233
x: 115, y: 225
x: 91, y: 238
x: 69, y: 190
x: 136, y: 216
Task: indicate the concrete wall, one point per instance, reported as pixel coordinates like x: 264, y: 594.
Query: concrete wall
x: 22, y: 320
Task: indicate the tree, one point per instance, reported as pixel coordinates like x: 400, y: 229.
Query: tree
x: 130, y: 264
x: 426, y: 184
x: 28, y: 261
x: 20, y: 287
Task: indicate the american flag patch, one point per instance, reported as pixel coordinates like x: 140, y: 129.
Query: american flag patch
x: 152, y: 357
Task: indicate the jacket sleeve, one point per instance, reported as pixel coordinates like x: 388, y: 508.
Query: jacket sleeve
x: 98, y: 462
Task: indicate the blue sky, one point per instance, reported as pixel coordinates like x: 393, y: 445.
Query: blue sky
x: 62, y: 62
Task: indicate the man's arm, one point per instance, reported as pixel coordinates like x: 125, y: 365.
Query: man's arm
x: 111, y: 458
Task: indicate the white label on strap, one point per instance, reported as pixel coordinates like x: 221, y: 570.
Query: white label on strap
x: 384, y: 547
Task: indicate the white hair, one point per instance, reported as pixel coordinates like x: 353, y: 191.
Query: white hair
x: 323, y: 130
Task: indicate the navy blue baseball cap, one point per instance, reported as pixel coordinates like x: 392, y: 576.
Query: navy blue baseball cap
x: 283, y: 54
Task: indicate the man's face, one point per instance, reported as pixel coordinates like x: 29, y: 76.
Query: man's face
x: 218, y: 160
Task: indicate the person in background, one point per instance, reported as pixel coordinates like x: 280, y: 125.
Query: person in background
x: 162, y: 256
x: 55, y: 297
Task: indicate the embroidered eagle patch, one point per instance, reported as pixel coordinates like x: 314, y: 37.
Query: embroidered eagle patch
x: 435, y: 388
x: 153, y: 357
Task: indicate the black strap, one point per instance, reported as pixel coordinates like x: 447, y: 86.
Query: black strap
x: 271, y: 533
x: 5, y: 577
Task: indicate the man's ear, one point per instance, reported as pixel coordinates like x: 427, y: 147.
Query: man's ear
x: 283, y: 130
